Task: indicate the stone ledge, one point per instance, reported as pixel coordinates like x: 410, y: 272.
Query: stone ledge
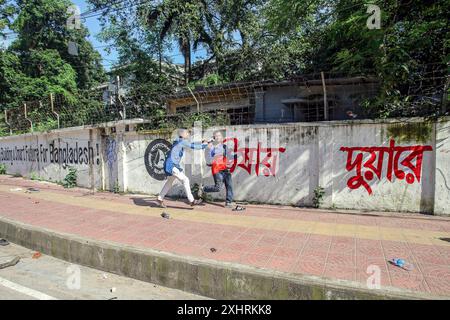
x: 218, y: 280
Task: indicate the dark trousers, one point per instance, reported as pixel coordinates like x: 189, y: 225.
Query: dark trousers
x: 221, y: 178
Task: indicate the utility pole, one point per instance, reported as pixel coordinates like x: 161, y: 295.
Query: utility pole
x: 198, y: 104
x: 52, y: 104
x: 8, y: 123
x: 124, y: 110
x: 325, y: 101
x: 445, y: 97
x: 26, y: 117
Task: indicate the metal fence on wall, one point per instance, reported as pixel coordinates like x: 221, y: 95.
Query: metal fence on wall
x: 317, y: 98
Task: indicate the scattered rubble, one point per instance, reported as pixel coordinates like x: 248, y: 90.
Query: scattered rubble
x: 165, y: 215
x: 239, y: 208
x: 10, y: 263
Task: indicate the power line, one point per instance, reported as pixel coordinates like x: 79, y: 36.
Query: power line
x: 100, y: 11
x: 101, y: 8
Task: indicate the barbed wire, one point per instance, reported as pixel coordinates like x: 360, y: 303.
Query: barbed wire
x: 232, y: 103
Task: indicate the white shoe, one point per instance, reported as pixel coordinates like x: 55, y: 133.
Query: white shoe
x: 196, y: 202
x: 161, y: 204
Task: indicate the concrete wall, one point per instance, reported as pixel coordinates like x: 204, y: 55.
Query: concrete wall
x: 404, y: 165
x: 270, y: 108
x: 49, y: 155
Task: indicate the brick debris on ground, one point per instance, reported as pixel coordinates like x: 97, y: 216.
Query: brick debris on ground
x: 321, y: 243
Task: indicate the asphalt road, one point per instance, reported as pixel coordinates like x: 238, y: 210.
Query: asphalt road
x: 49, y: 278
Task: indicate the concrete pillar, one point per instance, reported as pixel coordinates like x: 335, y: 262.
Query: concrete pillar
x: 121, y: 158
x: 259, y: 106
x: 325, y: 157
x: 442, y: 172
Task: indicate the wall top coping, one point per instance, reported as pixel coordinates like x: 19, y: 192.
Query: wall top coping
x: 123, y: 123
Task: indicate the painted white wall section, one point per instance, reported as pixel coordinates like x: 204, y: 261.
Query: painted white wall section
x: 368, y: 165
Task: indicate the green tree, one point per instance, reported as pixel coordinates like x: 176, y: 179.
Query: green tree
x: 42, y: 25
x: 6, y: 11
x: 409, y: 51
x: 155, y: 27
x: 11, y: 80
x: 38, y: 63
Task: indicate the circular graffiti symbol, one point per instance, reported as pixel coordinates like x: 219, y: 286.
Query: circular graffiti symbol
x: 155, y: 156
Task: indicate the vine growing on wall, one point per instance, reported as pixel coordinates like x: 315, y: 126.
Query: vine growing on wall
x: 185, y: 120
x: 70, y: 181
x: 319, y: 192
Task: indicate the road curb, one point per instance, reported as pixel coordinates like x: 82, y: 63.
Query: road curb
x: 218, y: 280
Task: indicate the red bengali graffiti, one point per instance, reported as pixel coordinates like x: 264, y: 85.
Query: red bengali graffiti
x: 245, y: 158
x: 373, y: 165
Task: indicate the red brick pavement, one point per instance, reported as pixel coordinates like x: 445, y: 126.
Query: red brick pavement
x: 329, y: 256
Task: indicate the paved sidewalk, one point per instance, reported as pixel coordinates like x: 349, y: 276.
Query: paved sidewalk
x: 300, y: 241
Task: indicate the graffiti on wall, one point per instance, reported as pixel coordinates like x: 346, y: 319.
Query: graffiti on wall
x: 403, y: 163
x: 59, y: 153
x: 258, y: 159
x: 155, y: 156
x: 111, y: 152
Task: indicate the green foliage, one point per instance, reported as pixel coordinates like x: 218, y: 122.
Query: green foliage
x: 147, y: 85
x: 46, y: 73
x: 158, y: 26
x: 319, y: 192
x: 42, y: 25
x: 2, y: 168
x: 36, y: 177
x: 211, y: 79
x: 11, y: 80
x: 207, y: 120
x: 404, y: 54
x: 37, y: 62
x: 70, y: 181
x: 6, y: 11
x: 47, y: 125
x: 116, y: 188
x: 244, y: 41
x: 186, y: 120
x: 4, y: 130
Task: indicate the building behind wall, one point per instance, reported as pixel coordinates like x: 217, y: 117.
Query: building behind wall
x: 297, y: 100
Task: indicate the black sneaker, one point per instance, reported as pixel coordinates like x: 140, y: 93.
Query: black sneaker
x: 200, y: 191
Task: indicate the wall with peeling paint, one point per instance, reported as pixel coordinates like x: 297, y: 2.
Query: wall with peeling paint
x: 48, y: 156
x: 290, y: 161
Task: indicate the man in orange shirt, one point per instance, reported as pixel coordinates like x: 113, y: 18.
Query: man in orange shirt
x: 218, y: 154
